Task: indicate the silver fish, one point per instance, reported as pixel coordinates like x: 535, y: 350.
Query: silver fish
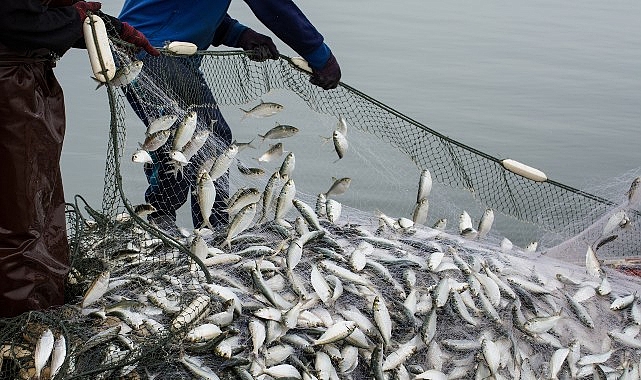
x: 253, y: 172
x: 340, y: 144
x: 124, y: 75
x: 284, y: 201
x: 342, y: 126
x: 44, y: 347
x: 185, y: 130
x: 241, y: 221
x: 155, y: 141
x: 273, y: 152
x: 223, y: 162
x: 280, y: 131
x: 485, y: 224
x: 206, y: 196
x: 142, y: 156
x: 634, y: 194
x: 339, y: 186
x: 287, y: 167
x: 419, y: 216
x: 197, y: 141
x: 58, y: 355
x: 424, y: 185
x: 160, y: 124
x: 264, y: 109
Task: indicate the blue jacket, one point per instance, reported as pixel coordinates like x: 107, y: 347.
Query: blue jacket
x: 206, y: 22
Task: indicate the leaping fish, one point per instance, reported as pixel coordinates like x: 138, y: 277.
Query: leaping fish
x: 264, y: 109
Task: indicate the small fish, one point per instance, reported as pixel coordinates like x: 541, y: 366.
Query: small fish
x: 285, y: 198
x: 618, y: 219
x: 223, y: 162
x: 44, y: 347
x: 253, y: 172
x: 424, y: 185
x: 240, y: 222
x: 634, y: 194
x: 440, y: 224
x: 124, y: 75
x: 592, y: 263
x: 333, y: 210
x: 485, y: 224
x: 155, y: 141
x: 274, y: 151
x: 197, y: 141
x: 339, y: 186
x: 280, y: 131
x: 142, y: 156
x: 419, y: 216
x: 341, y: 127
x: 244, y: 145
x: 97, y: 289
x: 287, y: 167
x: 262, y: 110
x: 58, y: 355
x: 382, y: 319
x: 340, y: 144
x: 185, y: 130
x: 206, y: 193
x: 144, y: 209
x: 160, y: 124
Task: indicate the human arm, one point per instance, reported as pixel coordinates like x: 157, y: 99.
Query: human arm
x: 234, y: 34
x: 292, y: 27
x: 27, y: 25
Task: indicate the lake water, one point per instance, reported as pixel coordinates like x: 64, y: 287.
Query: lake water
x: 556, y: 85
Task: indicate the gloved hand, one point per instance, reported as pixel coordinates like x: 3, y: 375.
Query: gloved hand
x: 82, y: 7
x: 132, y: 35
x: 328, y: 76
x: 259, y: 47
x: 128, y: 33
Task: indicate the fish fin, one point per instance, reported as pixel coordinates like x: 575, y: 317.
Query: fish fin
x: 325, y: 139
x: 245, y: 114
x: 100, y: 83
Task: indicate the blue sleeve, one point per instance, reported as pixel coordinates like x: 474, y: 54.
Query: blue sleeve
x: 228, y: 32
x: 291, y: 26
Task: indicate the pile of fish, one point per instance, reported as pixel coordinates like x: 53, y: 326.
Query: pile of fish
x: 319, y: 298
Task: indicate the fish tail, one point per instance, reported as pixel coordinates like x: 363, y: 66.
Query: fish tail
x: 246, y: 113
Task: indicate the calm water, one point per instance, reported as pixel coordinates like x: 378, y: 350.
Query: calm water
x: 556, y: 85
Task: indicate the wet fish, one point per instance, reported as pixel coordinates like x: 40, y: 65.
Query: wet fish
x: 223, y: 162
x: 43, y: 350
x: 185, y: 131
x: 252, y: 172
x: 424, y: 185
x: 142, y: 156
x: 280, y: 131
x: 273, y: 152
x: 124, y: 75
x: 485, y: 224
x: 634, y: 194
x: 264, y: 109
x: 287, y: 167
x: 340, y: 144
x: 155, y: 141
x: 160, y: 124
x: 206, y: 193
x: 339, y: 187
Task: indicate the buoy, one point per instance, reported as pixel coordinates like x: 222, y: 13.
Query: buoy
x: 524, y: 170
x: 182, y: 48
x: 100, y: 44
x: 301, y: 64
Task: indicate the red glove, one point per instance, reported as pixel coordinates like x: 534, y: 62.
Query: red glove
x: 82, y: 7
x: 328, y: 76
x: 132, y: 35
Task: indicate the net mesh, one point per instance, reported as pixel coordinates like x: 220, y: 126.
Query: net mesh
x: 312, y: 279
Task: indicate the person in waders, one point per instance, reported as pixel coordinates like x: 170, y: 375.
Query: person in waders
x: 206, y: 23
x: 34, y: 252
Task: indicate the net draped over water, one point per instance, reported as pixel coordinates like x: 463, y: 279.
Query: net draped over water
x: 306, y: 283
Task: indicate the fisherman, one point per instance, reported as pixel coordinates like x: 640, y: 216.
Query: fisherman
x: 34, y: 252
x: 206, y: 23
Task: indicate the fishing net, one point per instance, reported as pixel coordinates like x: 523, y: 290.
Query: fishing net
x: 314, y: 277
